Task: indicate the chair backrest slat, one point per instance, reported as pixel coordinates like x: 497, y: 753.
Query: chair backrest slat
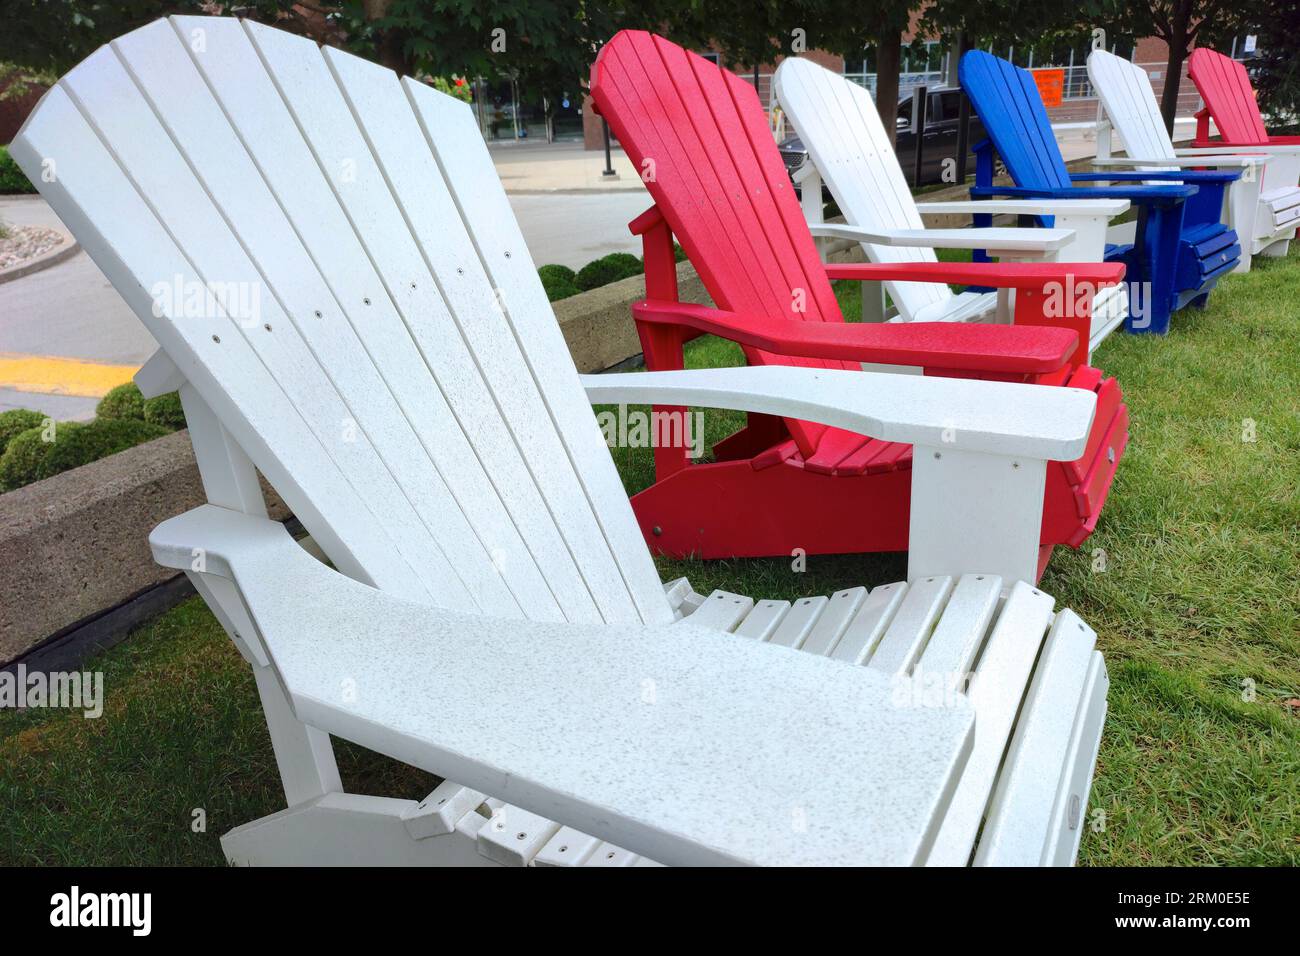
x: 841, y: 129
x: 1130, y: 103
x: 697, y: 134
x: 1225, y: 87
x: 1007, y: 100
x: 382, y: 358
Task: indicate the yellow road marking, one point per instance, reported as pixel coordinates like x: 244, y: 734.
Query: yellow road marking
x: 61, y: 376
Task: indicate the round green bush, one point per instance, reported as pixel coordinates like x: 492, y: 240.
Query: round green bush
x: 123, y: 402
x: 30, y: 458
x: 557, y: 289
x: 625, y: 263
x: 610, y: 268
x: 17, y: 420
x: 554, y: 273
x: 678, y: 252
x: 24, y: 458
x: 98, y: 439
x: 165, y: 410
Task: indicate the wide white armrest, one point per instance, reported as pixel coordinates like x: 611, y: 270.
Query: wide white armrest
x: 993, y: 239
x: 1185, y: 161
x: 1026, y: 207
x: 1288, y: 149
x: 1001, y: 418
x: 677, y: 742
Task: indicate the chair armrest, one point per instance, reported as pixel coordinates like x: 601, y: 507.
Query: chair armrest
x: 1185, y: 161
x: 492, y: 703
x: 1137, y: 194
x: 1214, y: 147
x: 1003, y: 275
x: 994, y: 239
x: 1001, y: 418
x: 1040, y: 286
x: 1189, y: 177
x: 941, y: 345
x: 1107, y: 208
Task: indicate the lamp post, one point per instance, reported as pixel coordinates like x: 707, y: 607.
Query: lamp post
x: 609, y: 164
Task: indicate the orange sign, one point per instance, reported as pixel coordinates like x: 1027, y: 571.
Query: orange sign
x: 1051, y: 86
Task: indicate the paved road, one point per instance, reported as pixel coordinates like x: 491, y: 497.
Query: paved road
x: 68, y: 314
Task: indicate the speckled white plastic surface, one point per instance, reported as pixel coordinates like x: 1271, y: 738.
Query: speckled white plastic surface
x: 679, y: 743
x: 998, y: 417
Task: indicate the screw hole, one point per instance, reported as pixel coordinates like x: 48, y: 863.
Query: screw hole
x: 366, y: 300
x: 521, y: 835
x: 609, y: 856
x: 563, y: 849
x: 318, y: 313
x: 267, y: 326
x: 216, y: 338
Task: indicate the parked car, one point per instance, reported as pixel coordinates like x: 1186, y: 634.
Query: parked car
x: 939, y: 140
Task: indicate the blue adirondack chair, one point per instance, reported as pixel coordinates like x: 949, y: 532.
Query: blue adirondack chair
x: 1181, y: 247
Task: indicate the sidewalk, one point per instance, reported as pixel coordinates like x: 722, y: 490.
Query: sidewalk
x: 561, y: 167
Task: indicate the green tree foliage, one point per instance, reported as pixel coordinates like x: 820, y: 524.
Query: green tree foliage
x: 1276, y: 69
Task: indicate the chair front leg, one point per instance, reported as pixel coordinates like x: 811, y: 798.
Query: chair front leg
x: 1151, y: 291
x: 974, y: 512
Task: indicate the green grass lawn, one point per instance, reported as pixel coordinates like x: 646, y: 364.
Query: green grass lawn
x: 1198, y: 605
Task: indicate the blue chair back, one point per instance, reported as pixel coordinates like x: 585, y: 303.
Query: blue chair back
x: 1007, y: 101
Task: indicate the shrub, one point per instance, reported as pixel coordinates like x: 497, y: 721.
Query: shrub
x: 123, y: 402
x: 610, y: 268
x: 29, y: 458
x: 557, y: 289
x: 17, y: 420
x: 554, y: 273
x: 165, y: 410
x: 12, y: 179
x: 24, y: 458
x: 678, y: 252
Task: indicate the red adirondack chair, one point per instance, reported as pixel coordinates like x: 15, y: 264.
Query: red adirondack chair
x: 699, y: 137
x: 1230, y: 100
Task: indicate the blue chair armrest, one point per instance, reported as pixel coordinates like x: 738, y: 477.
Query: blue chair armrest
x: 1207, y: 176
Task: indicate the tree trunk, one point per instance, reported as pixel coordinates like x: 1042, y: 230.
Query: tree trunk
x: 389, y: 45
x: 889, y: 57
x: 1178, y: 29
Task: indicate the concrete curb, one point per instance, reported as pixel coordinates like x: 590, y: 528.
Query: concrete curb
x: 53, y: 257
x: 76, y: 545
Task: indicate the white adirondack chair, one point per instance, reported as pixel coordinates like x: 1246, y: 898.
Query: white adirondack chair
x: 849, y: 150
x: 1263, y: 206
x: 489, y: 611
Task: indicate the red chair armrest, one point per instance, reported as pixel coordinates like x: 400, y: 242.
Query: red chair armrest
x: 1030, y: 350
